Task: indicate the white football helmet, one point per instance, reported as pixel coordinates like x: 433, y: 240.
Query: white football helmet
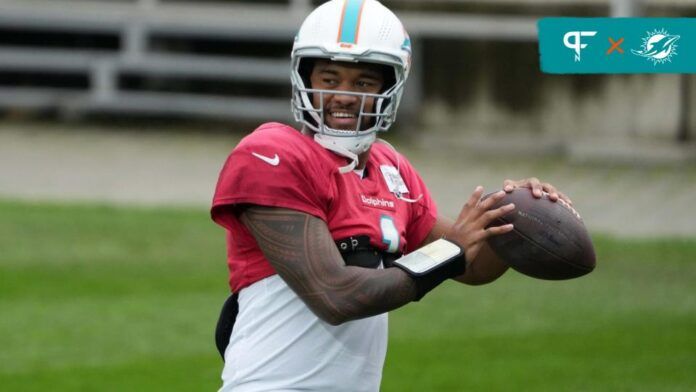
x: 350, y: 31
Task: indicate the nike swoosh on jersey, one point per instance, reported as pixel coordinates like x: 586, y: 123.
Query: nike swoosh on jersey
x: 271, y: 161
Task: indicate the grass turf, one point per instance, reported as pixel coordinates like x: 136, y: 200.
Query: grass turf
x: 106, y: 298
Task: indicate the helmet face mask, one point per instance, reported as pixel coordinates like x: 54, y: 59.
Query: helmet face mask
x: 379, y: 38
x: 308, y: 105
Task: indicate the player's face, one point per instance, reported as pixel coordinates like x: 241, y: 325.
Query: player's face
x: 341, y: 111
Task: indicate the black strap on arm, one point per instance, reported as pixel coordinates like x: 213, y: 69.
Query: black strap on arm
x: 358, y: 252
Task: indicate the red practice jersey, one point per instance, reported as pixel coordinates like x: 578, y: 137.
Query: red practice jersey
x: 277, y: 166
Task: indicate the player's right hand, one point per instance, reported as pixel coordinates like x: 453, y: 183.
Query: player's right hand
x: 473, y: 225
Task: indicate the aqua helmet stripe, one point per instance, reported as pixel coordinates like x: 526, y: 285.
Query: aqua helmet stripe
x: 350, y: 21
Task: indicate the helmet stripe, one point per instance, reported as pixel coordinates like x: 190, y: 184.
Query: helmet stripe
x: 350, y: 21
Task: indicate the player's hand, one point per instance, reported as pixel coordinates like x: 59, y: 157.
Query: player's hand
x: 472, y: 227
x: 537, y: 187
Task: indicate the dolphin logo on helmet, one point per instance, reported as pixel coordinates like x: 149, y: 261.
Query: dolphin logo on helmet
x: 350, y: 31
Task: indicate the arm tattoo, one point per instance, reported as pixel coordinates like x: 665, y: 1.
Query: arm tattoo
x: 300, y: 248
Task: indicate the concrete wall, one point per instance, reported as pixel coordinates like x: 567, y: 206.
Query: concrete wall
x: 485, y: 87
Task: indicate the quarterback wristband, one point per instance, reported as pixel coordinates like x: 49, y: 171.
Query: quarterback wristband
x: 433, y: 264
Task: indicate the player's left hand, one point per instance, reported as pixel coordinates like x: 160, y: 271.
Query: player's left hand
x: 537, y: 187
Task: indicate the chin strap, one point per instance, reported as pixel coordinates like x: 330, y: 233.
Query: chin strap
x: 348, y: 147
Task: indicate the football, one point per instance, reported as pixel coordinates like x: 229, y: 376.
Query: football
x: 549, y: 239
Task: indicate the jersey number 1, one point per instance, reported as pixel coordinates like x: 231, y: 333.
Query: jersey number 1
x: 390, y: 236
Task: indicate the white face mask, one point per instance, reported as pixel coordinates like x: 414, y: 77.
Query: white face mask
x: 349, y: 147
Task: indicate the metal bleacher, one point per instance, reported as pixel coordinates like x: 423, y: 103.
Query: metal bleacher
x: 133, y: 26
x: 144, y: 57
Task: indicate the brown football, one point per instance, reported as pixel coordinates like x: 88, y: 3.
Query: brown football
x: 549, y: 240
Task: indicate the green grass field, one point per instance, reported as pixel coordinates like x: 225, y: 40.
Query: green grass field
x: 98, y: 298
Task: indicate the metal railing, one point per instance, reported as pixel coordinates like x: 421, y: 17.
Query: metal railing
x: 136, y: 24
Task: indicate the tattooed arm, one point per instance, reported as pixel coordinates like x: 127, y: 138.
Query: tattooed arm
x: 300, y: 248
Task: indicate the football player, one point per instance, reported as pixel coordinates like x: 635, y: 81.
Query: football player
x: 318, y: 219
